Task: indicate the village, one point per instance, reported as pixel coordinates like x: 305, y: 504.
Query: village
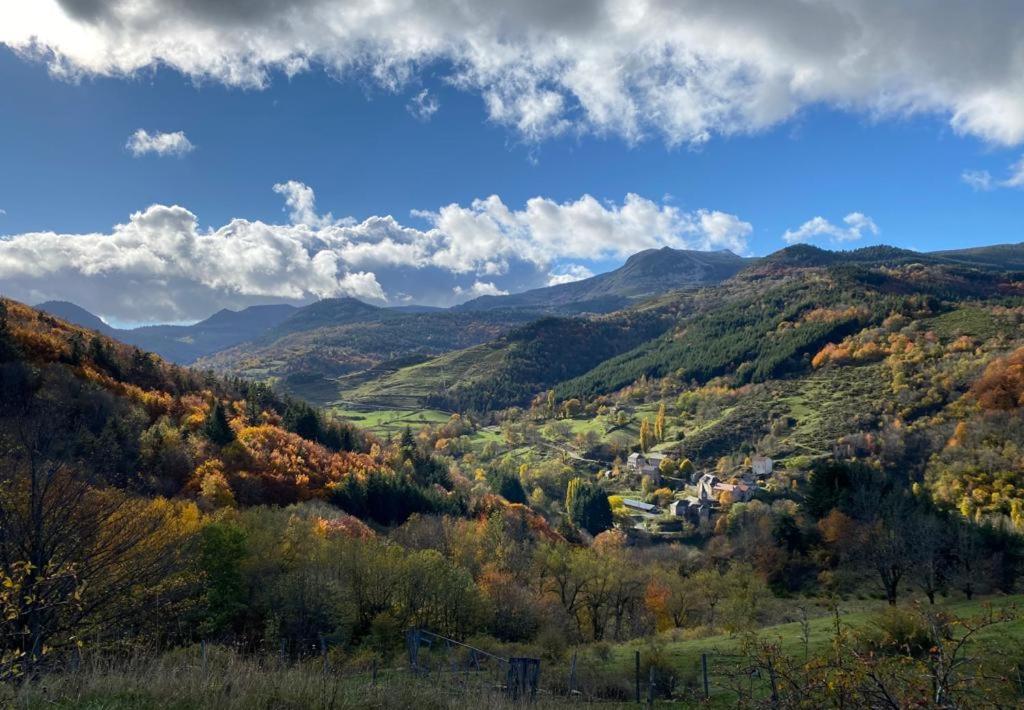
x: 683, y: 494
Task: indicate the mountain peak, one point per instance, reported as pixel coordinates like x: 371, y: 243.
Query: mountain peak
x: 73, y: 313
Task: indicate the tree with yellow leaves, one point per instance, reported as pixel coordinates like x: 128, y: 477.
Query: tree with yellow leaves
x: 659, y: 423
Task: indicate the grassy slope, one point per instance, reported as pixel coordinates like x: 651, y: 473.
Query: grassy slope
x: 1005, y: 638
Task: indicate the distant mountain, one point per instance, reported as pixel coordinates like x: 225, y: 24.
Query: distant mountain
x: 997, y: 257
x: 646, y: 273
x: 182, y: 344
x: 65, y: 310
x: 328, y: 312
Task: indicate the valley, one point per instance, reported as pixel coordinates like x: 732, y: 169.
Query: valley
x: 693, y: 463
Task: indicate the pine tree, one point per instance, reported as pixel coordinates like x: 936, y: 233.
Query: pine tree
x: 217, y: 428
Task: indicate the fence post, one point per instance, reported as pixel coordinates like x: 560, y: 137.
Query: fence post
x: 373, y: 673
x: 650, y: 688
x: 636, y: 675
x: 704, y: 673
x: 323, y: 652
x: 572, y: 674
x: 203, y: 646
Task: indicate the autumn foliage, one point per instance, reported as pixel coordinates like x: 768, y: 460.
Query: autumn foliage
x: 1001, y: 387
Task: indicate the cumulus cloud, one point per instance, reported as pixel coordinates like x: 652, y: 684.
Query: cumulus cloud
x: 856, y: 223
x: 300, y: 202
x: 486, y: 235
x: 142, y: 142
x: 479, y: 288
x: 160, y: 266
x: 423, y: 105
x: 683, y: 69
x: 569, y: 273
x: 983, y: 180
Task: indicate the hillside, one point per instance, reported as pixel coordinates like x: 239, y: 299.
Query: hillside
x: 510, y: 370
x: 644, y: 274
x: 762, y: 323
x: 182, y: 344
x: 307, y: 353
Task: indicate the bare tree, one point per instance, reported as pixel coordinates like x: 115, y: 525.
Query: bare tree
x: 77, y: 553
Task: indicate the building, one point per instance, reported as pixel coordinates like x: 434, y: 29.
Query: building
x: 710, y: 488
x: 644, y: 464
x: 640, y: 506
x: 737, y: 492
x: 693, y: 509
x: 761, y: 466
x: 706, y: 487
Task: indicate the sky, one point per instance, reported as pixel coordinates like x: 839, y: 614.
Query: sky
x: 164, y: 159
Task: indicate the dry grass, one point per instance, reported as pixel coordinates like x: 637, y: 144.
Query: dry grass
x: 229, y: 681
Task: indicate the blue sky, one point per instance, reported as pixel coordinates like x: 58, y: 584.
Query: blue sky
x: 352, y: 138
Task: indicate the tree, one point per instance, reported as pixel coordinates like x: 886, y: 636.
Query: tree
x: 686, y: 468
x: 646, y: 435
x: 587, y: 506
x: 667, y: 467
x: 929, y: 542
x: 216, y: 427
x: 889, y: 549
x: 81, y: 556
x: 222, y: 549
x: 659, y: 423
x: 511, y: 489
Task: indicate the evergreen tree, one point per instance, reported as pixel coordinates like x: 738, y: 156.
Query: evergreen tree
x: 217, y: 428
x: 587, y: 506
x: 511, y: 489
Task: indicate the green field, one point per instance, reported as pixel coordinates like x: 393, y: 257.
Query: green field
x: 384, y: 422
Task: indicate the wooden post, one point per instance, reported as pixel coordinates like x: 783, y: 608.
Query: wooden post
x: 572, y: 675
x: 203, y: 646
x: 650, y: 688
x: 704, y: 673
x: 637, y: 677
x: 323, y: 652
x: 373, y: 673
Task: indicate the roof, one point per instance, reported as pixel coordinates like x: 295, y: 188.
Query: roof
x: 639, y: 505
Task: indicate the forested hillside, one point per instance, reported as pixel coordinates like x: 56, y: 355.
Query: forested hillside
x: 306, y: 353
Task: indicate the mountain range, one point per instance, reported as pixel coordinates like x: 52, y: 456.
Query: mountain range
x: 342, y: 348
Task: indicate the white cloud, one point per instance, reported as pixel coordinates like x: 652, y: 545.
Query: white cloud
x: 143, y: 142
x: 569, y: 273
x: 684, y: 70
x: 479, y: 288
x: 161, y: 266
x: 983, y: 180
x: 485, y: 236
x: 423, y: 106
x: 856, y: 224
x: 300, y: 202
x: 978, y: 179
x: 3, y: 211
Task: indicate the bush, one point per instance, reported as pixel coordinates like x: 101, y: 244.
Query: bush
x: 897, y: 631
